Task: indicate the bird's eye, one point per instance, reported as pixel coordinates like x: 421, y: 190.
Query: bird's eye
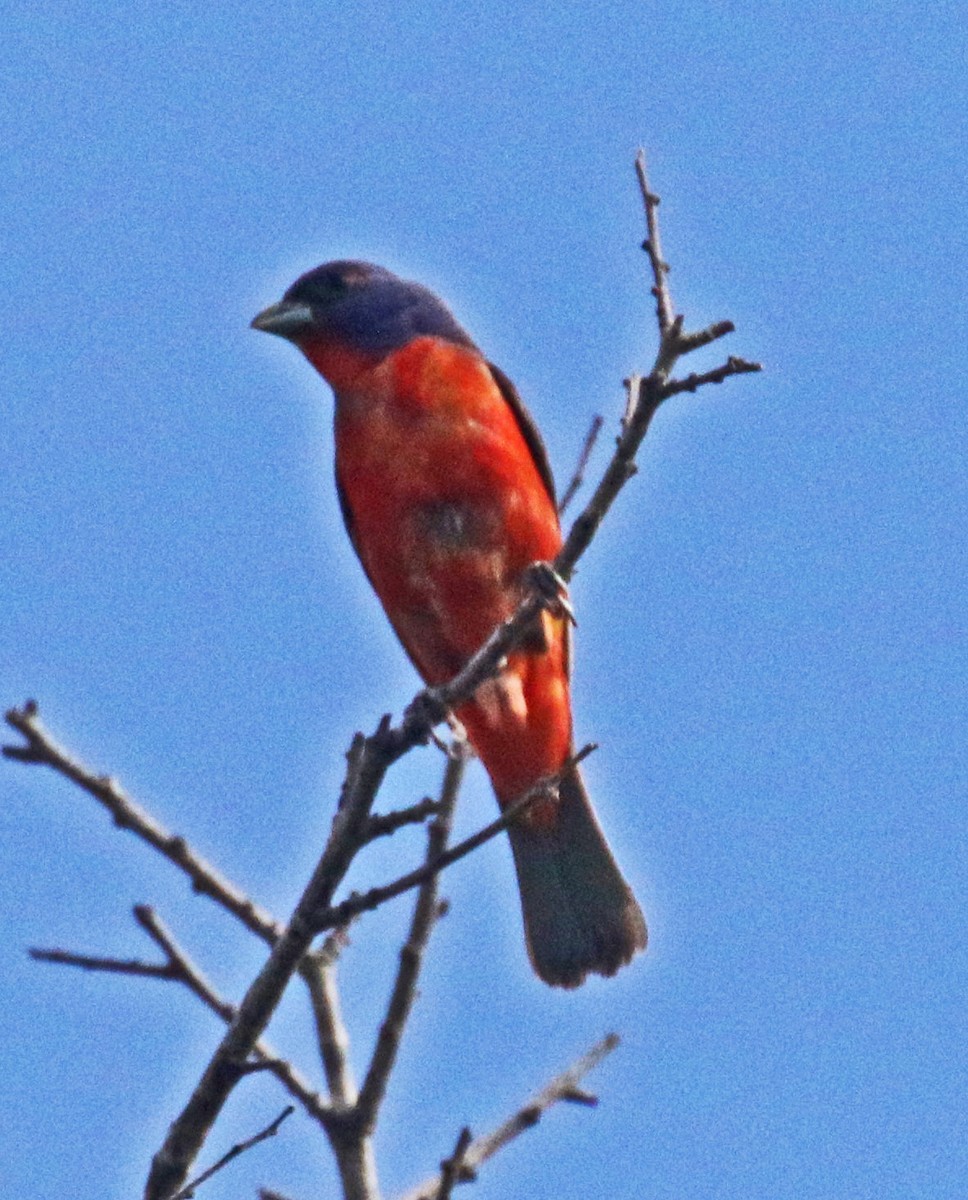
x: 329, y: 283
x: 318, y: 289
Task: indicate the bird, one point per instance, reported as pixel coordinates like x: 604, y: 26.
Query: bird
x: 448, y: 499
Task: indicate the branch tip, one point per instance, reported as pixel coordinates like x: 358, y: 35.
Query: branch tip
x: 239, y: 1148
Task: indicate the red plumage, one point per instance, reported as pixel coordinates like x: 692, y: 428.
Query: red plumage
x: 448, y: 499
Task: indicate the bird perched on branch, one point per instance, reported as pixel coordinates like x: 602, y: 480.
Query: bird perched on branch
x: 448, y: 499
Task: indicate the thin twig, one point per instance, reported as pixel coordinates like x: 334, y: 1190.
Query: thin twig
x: 646, y: 393
x: 579, y: 474
x: 179, y: 967
x: 563, y: 1087
x: 374, y: 897
x: 41, y: 748
x: 382, y: 824
x: 653, y: 248
x: 686, y: 343
x: 424, y: 918
x: 319, y: 973
x: 240, y: 1148
x: 691, y: 383
x: 90, y: 962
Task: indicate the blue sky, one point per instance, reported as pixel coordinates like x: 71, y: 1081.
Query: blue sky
x: 771, y: 649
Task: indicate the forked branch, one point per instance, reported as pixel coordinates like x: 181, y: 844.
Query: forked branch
x: 369, y: 759
x: 564, y: 1087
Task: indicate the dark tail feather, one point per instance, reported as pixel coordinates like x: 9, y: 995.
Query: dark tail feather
x: 579, y: 913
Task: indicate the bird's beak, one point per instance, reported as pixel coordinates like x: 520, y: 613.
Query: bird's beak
x: 287, y: 319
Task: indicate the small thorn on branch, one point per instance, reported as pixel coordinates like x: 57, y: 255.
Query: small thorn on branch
x: 24, y: 754
x: 582, y: 754
x: 530, y: 1115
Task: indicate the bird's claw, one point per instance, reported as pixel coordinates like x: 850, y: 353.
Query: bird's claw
x: 426, y: 711
x: 552, y: 590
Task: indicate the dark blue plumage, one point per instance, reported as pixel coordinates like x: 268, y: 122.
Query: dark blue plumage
x: 371, y: 308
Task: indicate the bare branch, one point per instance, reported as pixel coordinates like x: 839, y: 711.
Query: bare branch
x: 562, y: 1087
x: 350, y: 1133
x: 646, y: 394
x: 180, y: 968
x: 376, y: 896
x: 240, y: 1148
x: 382, y: 824
x: 179, y: 965
x: 127, y: 814
x: 687, y: 342
x: 586, y: 452
x: 368, y: 761
x: 319, y: 972
x: 433, y: 704
x: 41, y: 748
x: 424, y: 918
x: 88, y: 962
x: 369, y: 758
x: 732, y: 366
x: 653, y: 248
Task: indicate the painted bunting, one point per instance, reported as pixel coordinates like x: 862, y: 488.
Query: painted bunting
x: 448, y: 498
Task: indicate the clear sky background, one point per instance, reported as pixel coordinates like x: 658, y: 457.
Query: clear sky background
x: 771, y: 649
